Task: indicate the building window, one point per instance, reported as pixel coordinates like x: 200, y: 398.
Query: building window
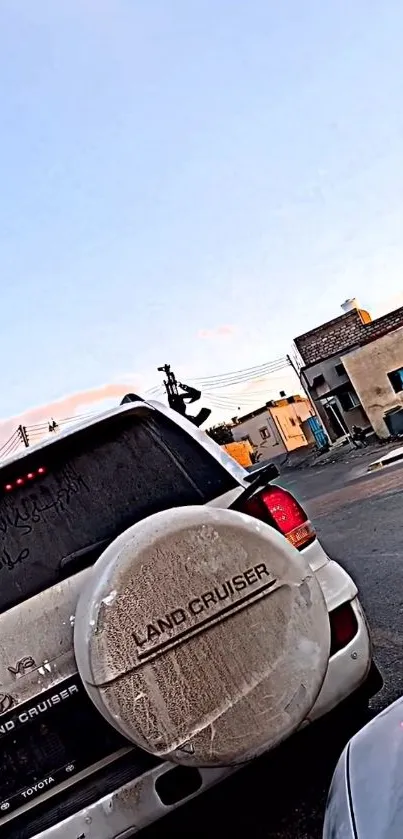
x: 292, y: 421
x: 349, y: 400
x: 340, y: 369
x: 264, y: 432
x: 396, y: 379
x: 319, y: 380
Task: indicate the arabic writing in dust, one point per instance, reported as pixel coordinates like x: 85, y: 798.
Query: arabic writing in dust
x: 20, y: 515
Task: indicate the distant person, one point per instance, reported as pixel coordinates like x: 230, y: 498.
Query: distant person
x: 359, y: 435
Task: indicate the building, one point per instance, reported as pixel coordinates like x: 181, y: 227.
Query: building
x: 353, y: 369
x: 376, y: 373
x: 276, y: 428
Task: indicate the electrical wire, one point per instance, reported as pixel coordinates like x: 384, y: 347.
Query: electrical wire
x: 12, y: 448
x: 154, y: 389
x: 6, y: 453
x: 15, y: 437
x: 243, y: 375
x: 78, y: 416
x: 242, y: 371
x: 240, y: 379
x: 238, y: 397
x: 235, y: 398
x: 44, y: 426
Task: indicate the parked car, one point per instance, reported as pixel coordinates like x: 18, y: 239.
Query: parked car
x: 155, y: 595
x: 366, y: 795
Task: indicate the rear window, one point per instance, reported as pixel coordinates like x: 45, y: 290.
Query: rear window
x: 95, y: 484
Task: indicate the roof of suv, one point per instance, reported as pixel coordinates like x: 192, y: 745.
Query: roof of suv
x: 237, y: 471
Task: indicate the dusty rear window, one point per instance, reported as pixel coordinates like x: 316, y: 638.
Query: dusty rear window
x: 96, y: 483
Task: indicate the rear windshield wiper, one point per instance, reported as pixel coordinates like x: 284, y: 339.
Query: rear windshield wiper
x: 85, y: 556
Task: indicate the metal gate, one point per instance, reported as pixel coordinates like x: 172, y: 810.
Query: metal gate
x: 318, y: 432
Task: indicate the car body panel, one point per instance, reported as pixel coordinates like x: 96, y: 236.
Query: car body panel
x: 127, y: 810
x: 366, y: 795
x: 338, y: 819
x: 348, y: 669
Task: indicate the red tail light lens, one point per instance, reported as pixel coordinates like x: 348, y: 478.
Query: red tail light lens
x: 343, y: 627
x: 275, y: 504
x: 21, y: 481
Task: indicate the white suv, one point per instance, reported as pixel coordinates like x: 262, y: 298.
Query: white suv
x: 114, y: 540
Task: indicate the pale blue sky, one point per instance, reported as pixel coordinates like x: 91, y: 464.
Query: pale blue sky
x: 169, y: 167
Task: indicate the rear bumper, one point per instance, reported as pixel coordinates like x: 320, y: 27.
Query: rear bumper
x: 128, y: 809
x: 136, y: 804
x: 348, y: 669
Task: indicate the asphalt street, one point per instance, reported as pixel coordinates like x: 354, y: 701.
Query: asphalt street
x: 282, y: 796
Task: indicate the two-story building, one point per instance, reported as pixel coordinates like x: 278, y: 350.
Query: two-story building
x: 353, y: 370
x: 276, y: 428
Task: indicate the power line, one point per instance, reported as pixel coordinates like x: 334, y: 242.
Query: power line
x: 14, y: 438
x: 45, y: 425
x: 234, y: 377
x: 79, y: 416
x: 248, y: 397
x: 155, y: 389
x: 246, y: 377
x: 233, y: 382
x: 244, y: 371
x: 238, y: 397
x: 13, y: 448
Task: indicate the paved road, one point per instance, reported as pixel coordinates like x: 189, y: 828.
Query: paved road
x: 360, y: 522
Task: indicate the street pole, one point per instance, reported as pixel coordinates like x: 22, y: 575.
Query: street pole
x: 305, y: 388
x: 22, y: 431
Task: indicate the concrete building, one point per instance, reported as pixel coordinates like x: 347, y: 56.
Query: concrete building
x: 336, y: 401
x: 351, y: 369
x: 376, y: 373
x: 275, y: 428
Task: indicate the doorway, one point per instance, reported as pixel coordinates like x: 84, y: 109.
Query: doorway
x: 335, y: 418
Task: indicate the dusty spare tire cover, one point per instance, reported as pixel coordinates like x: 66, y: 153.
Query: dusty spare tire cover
x: 202, y: 636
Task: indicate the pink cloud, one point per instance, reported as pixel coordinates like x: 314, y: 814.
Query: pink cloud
x: 225, y: 331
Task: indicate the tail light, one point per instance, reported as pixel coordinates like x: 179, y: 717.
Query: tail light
x: 343, y: 627
x: 17, y: 483
x: 277, y: 506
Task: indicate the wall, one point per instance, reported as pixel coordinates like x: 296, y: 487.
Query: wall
x: 282, y: 421
x: 330, y: 337
x: 267, y: 449
x: 327, y: 369
x: 288, y: 420
x: 240, y: 451
x: 333, y: 381
x: 341, y: 333
x: 367, y: 367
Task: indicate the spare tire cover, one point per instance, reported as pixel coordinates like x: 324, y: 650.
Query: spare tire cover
x: 203, y: 636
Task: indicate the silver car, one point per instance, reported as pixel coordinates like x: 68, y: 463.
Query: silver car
x: 366, y: 795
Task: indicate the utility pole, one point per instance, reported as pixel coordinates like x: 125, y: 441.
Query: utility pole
x: 22, y: 431
x: 305, y: 388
